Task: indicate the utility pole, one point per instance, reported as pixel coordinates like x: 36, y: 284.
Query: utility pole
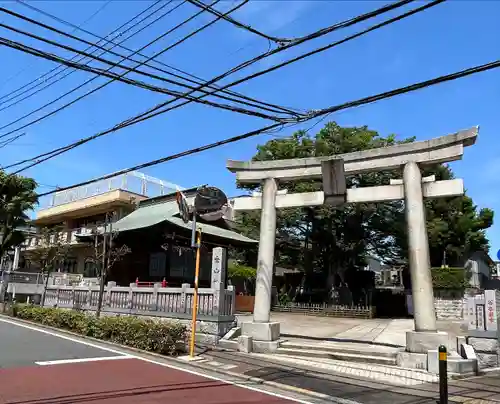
x: 103, y: 267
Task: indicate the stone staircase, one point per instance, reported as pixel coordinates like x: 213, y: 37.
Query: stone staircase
x: 350, y: 352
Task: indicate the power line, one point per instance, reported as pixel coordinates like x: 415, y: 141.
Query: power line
x: 112, y: 64
x: 150, y: 113
x: 110, y: 81
x: 314, y: 35
x: 102, y: 7
x: 119, y: 77
x: 299, y: 41
x: 192, y: 76
x: 115, y: 76
x: 40, y: 80
x: 10, y: 140
x: 239, y: 24
x: 159, y: 110
x: 331, y: 45
x: 346, y: 105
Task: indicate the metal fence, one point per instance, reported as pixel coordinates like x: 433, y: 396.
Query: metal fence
x: 134, y: 181
x: 327, y: 310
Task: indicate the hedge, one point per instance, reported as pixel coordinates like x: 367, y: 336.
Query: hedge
x: 166, y: 338
x: 450, y: 278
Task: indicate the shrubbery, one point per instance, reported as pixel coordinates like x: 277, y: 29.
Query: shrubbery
x: 450, y: 278
x: 151, y: 335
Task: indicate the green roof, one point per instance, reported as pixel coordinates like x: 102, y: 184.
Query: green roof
x: 168, y: 211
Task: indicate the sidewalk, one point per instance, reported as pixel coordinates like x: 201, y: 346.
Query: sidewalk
x: 350, y: 386
x: 375, y: 331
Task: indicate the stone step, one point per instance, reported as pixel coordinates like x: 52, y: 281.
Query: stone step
x: 350, y: 348
x: 380, y: 372
x: 341, y: 356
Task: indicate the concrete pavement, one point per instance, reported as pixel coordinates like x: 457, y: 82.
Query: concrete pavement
x: 389, y: 332
x: 351, y: 386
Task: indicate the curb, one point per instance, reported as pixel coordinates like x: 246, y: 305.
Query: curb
x: 193, y: 364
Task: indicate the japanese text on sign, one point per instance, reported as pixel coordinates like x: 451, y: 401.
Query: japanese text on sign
x: 491, y: 312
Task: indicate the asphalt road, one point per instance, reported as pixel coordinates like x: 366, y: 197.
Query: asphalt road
x: 38, y: 367
x: 21, y: 346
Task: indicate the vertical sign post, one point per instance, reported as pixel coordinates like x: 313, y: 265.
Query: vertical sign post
x: 471, y: 313
x: 443, y: 375
x: 480, y: 317
x: 490, y: 302
x: 210, y: 203
x: 197, y: 245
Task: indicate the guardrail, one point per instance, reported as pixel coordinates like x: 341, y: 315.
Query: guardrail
x: 156, y: 300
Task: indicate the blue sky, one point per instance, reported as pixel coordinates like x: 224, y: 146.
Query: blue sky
x: 444, y: 39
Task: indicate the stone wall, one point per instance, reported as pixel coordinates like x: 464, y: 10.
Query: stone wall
x: 449, y: 308
x: 208, y: 330
x: 487, y: 351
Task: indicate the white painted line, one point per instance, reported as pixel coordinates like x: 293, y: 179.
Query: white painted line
x: 82, y: 360
x: 228, y: 366
x: 180, y: 369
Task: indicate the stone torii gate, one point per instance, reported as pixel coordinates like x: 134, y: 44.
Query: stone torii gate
x: 333, y: 169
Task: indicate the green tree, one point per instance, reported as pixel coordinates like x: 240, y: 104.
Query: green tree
x: 326, y: 241
x: 455, y: 227
x: 17, y: 196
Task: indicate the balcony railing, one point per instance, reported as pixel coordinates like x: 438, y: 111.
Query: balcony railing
x: 134, y: 181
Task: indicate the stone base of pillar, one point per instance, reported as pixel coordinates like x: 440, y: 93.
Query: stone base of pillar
x: 265, y: 336
x: 422, y: 342
x: 411, y: 360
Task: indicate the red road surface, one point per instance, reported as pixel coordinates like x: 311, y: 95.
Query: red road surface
x: 125, y: 381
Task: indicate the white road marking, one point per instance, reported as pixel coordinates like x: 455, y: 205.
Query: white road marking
x: 180, y: 369
x: 228, y: 366
x: 82, y: 360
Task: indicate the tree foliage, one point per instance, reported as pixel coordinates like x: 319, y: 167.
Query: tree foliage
x: 329, y: 242
x: 17, y: 196
x: 450, y: 278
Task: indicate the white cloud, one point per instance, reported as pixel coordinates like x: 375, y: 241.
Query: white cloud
x: 270, y: 16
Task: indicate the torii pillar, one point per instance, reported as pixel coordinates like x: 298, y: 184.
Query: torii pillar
x: 264, y: 333
x: 412, y: 188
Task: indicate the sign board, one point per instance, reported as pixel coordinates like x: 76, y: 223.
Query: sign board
x: 481, y: 311
x: 470, y: 313
x: 183, y: 206
x: 491, y: 298
x: 498, y: 255
x: 334, y: 182
x: 480, y: 317
x: 209, y: 199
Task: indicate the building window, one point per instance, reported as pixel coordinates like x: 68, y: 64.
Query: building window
x: 68, y: 265
x: 90, y: 269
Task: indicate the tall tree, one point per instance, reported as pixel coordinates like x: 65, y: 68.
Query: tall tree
x: 328, y: 241
x: 17, y: 197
